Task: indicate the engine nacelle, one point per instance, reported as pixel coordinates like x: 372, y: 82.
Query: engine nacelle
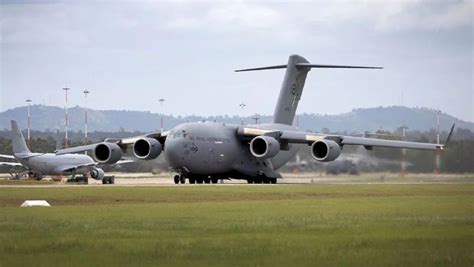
x: 325, y: 150
x: 264, y: 147
x: 147, y: 148
x: 107, y: 153
x: 97, y: 174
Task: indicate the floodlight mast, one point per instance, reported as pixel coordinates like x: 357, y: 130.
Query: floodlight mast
x: 86, y: 92
x: 161, y: 117
x: 437, y: 170
x: 28, y: 101
x: 403, y: 167
x: 256, y: 118
x: 242, y: 106
x: 66, y: 119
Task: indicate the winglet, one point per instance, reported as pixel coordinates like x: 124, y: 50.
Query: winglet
x: 441, y: 147
x: 449, y: 135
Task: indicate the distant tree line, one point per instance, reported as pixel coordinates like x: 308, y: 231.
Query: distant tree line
x: 458, y: 157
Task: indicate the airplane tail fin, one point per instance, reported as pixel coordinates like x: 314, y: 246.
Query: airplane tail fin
x: 18, y: 141
x: 293, y: 83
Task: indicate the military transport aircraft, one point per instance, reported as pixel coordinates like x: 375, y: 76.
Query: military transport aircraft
x: 205, y: 151
x: 39, y: 164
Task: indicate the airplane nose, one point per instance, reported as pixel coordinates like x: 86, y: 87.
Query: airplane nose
x: 173, y: 152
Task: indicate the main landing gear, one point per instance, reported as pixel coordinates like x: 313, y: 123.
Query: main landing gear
x: 262, y: 180
x: 82, y: 179
x: 180, y: 179
x: 108, y: 180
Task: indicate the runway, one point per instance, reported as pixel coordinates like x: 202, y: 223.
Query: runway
x: 166, y: 180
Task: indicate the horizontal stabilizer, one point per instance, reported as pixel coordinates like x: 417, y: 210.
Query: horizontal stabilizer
x: 309, y: 65
x: 322, y: 66
x: 264, y: 68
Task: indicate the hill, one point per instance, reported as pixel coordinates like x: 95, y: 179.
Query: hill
x: 358, y: 120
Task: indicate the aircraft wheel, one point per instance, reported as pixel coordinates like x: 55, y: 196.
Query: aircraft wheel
x: 192, y: 180
x: 273, y: 180
x: 104, y: 181
x: 38, y: 176
x: 266, y: 180
x: 176, y: 179
x: 207, y: 180
x: 250, y: 181
x: 112, y: 180
x: 214, y: 180
x: 182, y: 179
x: 258, y: 180
x: 199, y: 180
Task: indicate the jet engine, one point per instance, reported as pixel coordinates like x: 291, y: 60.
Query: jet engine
x: 325, y: 150
x: 107, y: 153
x: 264, y: 147
x: 97, y: 174
x: 147, y: 148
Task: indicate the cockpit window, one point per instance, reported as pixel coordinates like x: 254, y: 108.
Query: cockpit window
x: 178, y: 134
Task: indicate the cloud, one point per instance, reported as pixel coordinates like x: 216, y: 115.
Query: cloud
x: 82, y: 22
x: 124, y: 44
x: 234, y: 18
x: 246, y: 15
x: 403, y: 16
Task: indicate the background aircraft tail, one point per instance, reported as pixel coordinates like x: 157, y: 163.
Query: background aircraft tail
x: 293, y: 83
x: 18, y: 142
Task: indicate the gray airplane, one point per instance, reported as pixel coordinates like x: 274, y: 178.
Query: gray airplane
x: 39, y: 164
x: 205, y: 151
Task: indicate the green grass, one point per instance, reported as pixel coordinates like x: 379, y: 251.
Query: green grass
x: 283, y: 225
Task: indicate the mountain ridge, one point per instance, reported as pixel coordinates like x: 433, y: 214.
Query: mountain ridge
x: 358, y: 120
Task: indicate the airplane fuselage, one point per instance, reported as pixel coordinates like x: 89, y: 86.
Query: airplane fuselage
x: 50, y: 164
x: 215, y: 149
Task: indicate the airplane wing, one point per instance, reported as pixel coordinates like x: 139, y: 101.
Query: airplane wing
x: 7, y: 156
x: 124, y: 161
x: 10, y: 164
x: 122, y: 142
x: 289, y: 136
x: 69, y: 168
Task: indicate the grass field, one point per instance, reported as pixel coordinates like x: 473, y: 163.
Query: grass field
x: 265, y: 225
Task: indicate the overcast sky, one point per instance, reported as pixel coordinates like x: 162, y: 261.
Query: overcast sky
x: 130, y: 54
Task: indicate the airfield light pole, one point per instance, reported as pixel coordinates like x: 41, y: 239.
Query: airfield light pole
x: 86, y: 92
x: 28, y: 101
x: 161, y: 118
x: 256, y: 118
x: 404, y: 151
x: 438, y: 155
x: 402, y: 160
x: 242, y: 106
x: 66, y: 118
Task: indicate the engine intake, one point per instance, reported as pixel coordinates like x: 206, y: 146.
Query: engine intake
x: 98, y: 174
x: 147, y: 148
x: 325, y: 150
x: 107, y: 153
x: 264, y: 147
